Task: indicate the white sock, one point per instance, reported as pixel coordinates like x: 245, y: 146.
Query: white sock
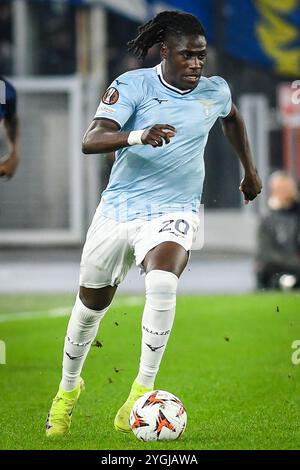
x: 81, y: 332
x: 157, y: 322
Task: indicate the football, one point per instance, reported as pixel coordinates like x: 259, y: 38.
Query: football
x: 158, y: 416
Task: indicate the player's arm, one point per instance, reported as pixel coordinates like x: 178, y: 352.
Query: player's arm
x: 9, y: 166
x: 104, y: 135
x: 235, y: 130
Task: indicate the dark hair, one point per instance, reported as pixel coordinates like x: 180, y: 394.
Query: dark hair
x: 156, y: 30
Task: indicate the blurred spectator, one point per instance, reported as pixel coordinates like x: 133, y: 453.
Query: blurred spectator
x: 6, y: 46
x: 278, y: 244
x: 8, y: 113
x: 56, y: 36
x: 60, y: 56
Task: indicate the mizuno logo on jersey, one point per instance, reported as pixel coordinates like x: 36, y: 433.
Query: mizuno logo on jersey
x: 159, y: 101
x: 120, y: 83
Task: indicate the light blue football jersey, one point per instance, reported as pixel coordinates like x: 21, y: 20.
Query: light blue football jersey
x: 147, y: 182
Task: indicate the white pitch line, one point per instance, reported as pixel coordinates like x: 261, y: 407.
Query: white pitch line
x: 17, y: 316
x: 60, y: 311
x: 133, y: 300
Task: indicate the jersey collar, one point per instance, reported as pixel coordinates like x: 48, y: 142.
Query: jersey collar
x: 167, y: 85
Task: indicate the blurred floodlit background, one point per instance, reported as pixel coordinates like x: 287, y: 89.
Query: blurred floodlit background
x: 61, y: 55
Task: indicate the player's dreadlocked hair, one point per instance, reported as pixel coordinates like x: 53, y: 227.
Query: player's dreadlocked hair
x: 155, y: 30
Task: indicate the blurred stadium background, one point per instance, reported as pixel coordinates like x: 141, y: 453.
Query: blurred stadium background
x: 61, y: 55
x: 229, y: 357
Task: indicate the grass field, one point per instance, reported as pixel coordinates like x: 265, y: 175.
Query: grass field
x: 228, y: 359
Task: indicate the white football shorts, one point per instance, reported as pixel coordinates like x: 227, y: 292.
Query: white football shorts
x: 112, y: 246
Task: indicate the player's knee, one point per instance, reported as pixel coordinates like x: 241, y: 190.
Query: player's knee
x: 85, y: 316
x: 90, y: 303
x: 95, y: 299
x: 161, y: 288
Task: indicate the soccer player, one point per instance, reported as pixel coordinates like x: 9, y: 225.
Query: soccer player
x: 158, y: 120
x: 8, y: 113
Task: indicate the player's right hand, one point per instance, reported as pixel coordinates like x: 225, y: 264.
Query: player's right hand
x: 158, y: 134
x: 250, y: 186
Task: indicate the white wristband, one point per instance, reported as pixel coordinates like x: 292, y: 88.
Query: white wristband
x: 135, y: 137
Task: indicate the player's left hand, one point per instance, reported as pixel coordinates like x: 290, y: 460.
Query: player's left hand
x: 9, y: 166
x: 251, y: 186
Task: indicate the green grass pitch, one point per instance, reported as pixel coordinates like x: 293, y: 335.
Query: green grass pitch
x: 228, y: 359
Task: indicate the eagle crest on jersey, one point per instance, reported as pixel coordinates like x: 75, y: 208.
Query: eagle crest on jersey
x: 111, y: 96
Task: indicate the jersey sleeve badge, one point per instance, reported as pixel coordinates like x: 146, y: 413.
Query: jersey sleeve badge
x: 111, y: 96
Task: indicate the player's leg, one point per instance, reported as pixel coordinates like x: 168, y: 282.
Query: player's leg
x: 105, y: 260
x: 90, y: 307
x: 167, y: 256
x: 88, y: 311
x: 163, y: 266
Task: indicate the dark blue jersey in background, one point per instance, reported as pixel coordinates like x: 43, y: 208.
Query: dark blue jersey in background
x: 9, y: 109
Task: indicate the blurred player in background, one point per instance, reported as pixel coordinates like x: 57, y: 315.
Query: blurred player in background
x: 8, y: 114
x: 158, y: 120
x: 278, y: 241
